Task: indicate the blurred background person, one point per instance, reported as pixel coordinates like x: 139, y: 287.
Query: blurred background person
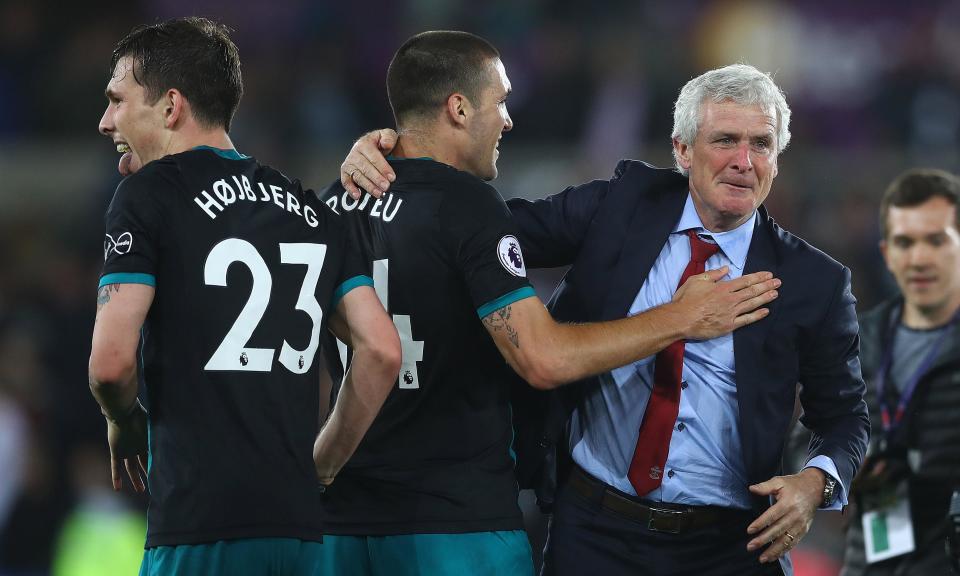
x: 910, y: 351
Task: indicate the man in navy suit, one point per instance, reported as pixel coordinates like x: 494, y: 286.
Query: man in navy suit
x: 671, y: 465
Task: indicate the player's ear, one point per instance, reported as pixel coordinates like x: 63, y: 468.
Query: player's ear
x: 457, y: 108
x: 174, y: 107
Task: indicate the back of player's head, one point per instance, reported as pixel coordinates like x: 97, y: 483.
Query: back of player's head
x: 914, y: 187
x: 193, y: 55
x: 431, y: 66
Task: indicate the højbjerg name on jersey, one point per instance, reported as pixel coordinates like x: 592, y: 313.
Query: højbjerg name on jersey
x: 225, y: 194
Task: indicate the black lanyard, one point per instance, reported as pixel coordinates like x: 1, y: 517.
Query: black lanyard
x: 892, y: 422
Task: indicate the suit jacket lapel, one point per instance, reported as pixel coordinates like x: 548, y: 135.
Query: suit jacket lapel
x: 760, y: 257
x: 748, y: 341
x: 655, y: 214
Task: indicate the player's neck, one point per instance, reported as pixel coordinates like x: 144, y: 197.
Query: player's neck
x: 926, y: 318
x: 182, y: 141
x: 415, y: 143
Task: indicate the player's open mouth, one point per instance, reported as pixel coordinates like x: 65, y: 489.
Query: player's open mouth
x: 123, y: 147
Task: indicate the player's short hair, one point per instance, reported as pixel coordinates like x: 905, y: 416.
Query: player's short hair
x: 740, y: 83
x: 193, y: 55
x: 916, y: 186
x: 431, y: 66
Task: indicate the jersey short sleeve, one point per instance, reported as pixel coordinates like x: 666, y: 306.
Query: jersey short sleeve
x: 354, y: 269
x: 354, y: 272
x: 133, y: 225
x: 487, y: 250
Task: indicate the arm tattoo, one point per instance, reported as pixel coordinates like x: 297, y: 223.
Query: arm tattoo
x: 103, y: 296
x: 500, y: 320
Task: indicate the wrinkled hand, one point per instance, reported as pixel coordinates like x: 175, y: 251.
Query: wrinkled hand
x: 366, y: 167
x: 714, y: 308
x: 128, y: 448
x: 785, y: 523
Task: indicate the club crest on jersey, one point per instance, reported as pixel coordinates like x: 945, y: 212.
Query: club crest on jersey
x: 119, y: 246
x: 511, y: 257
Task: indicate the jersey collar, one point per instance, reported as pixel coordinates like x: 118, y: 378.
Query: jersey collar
x: 228, y: 153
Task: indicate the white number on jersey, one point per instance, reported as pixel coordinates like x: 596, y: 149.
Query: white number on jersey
x: 233, y: 353
x: 411, y: 350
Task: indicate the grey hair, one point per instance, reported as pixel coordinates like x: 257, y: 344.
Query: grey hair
x: 741, y: 83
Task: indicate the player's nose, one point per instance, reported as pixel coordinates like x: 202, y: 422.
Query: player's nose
x: 106, y: 126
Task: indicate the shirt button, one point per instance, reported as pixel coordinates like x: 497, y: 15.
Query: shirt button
x: 681, y: 426
x: 683, y: 384
x: 670, y: 474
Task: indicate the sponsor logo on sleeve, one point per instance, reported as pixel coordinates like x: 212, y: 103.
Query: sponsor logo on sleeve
x: 511, y: 257
x: 119, y: 245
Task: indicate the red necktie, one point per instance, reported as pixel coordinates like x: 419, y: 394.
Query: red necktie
x: 650, y: 455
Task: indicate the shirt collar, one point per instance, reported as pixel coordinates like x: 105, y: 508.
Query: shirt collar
x: 228, y: 153
x: 733, y: 243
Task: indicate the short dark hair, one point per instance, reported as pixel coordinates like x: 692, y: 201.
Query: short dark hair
x: 431, y: 66
x: 916, y: 186
x: 193, y: 55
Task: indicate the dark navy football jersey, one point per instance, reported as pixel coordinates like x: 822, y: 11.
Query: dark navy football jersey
x: 437, y: 458
x: 247, y: 268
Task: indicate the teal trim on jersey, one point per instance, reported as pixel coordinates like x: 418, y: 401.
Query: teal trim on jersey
x: 392, y: 157
x: 505, y: 300
x: 226, y: 153
x: 231, y: 557
x: 347, y: 286
x: 505, y: 552
x: 128, y: 278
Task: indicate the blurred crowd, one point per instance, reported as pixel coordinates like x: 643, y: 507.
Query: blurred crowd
x: 874, y: 88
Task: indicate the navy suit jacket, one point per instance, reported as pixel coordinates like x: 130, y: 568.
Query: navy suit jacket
x: 610, y: 232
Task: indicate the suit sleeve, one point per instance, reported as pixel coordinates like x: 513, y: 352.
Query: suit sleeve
x: 833, y: 388
x: 552, y: 229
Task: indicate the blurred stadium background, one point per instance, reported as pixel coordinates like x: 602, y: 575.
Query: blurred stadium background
x: 874, y: 87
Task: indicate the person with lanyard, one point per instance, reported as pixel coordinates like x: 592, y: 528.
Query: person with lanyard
x: 911, y: 360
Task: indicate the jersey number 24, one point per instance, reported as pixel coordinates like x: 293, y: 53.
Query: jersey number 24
x: 411, y: 350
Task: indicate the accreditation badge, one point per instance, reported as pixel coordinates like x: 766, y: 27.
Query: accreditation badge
x: 887, y: 527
